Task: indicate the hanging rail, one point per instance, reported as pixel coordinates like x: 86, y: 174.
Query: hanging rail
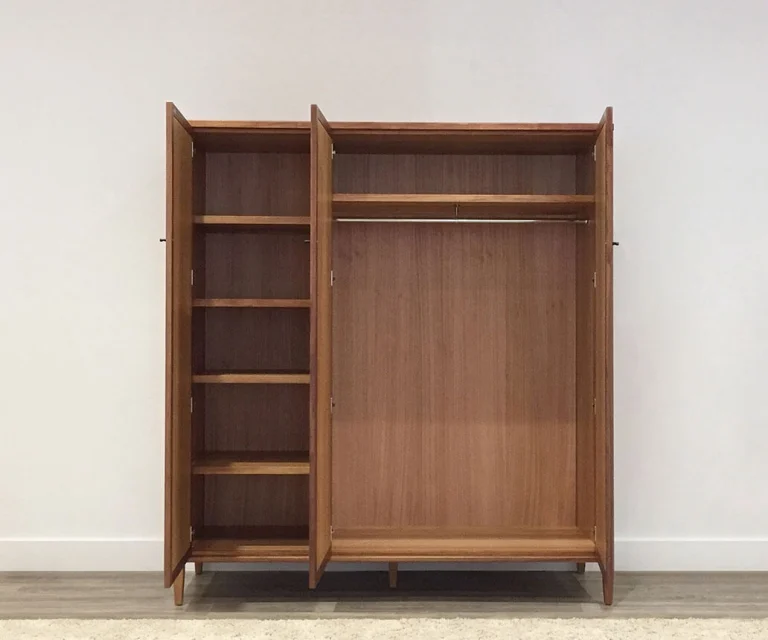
x: 469, y: 220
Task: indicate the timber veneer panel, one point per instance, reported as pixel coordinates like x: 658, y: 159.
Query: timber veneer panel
x: 266, y: 184
x: 454, y: 173
x: 268, y: 264
x: 256, y: 501
x: 454, y: 376
x: 254, y: 339
x: 251, y: 418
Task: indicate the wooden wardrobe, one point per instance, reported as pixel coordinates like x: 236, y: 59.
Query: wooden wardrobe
x: 388, y: 342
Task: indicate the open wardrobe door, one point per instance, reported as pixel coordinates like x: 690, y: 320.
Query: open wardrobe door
x: 178, y: 389
x: 604, y: 351
x: 321, y: 211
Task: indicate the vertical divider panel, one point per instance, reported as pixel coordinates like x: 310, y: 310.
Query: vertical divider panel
x: 604, y: 351
x: 321, y: 212
x: 178, y: 442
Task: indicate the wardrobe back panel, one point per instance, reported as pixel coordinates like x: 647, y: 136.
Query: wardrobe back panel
x: 257, y: 184
x: 253, y: 417
x: 453, y: 173
x: 256, y: 501
x: 243, y: 340
x: 454, y: 376
x: 243, y: 264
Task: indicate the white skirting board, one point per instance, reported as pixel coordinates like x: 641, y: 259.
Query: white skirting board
x: 146, y: 554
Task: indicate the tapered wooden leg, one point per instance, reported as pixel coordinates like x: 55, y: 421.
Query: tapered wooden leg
x: 178, y: 589
x: 392, y: 575
x: 581, y: 567
x: 198, y: 568
x: 607, y: 584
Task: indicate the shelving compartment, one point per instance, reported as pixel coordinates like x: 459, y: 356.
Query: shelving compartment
x: 251, y: 341
x: 250, y: 468
x: 250, y: 335
x: 268, y: 184
x: 252, y: 429
x: 253, y: 518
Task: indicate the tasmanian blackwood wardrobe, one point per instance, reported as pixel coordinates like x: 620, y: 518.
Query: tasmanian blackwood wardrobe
x: 388, y: 342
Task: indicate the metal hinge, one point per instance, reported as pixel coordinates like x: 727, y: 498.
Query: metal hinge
x: 594, y: 280
x: 191, y: 533
x: 332, y: 405
x: 191, y: 404
x: 193, y: 149
x: 594, y: 153
x: 192, y: 278
x: 594, y: 406
x: 332, y: 278
x: 333, y: 152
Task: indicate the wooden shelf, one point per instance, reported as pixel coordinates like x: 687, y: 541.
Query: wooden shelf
x: 246, y: 222
x: 252, y: 303
x: 395, y: 205
x: 394, y: 546
x: 251, y: 378
x: 283, y: 463
x: 251, y: 544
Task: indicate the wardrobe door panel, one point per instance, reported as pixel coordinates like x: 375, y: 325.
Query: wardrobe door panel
x: 321, y: 212
x: 604, y: 349
x: 178, y: 442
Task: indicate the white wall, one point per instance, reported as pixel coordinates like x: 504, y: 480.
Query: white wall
x: 82, y: 203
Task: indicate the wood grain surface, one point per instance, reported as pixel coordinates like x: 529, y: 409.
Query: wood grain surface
x: 178, y: 433
x: 252, y: 417
x: 321, y: 346
x: 269, y: 264
x: 604, y: 350
x: 242, y: 222
x: 254, y: 339
x: 454, y: 376
x: 268, y: 184
x: 455, y: 173
x: 269, y: 463
x: 256, y: 501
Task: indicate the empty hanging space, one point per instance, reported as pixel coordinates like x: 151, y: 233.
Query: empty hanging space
x: 454, y: 378
x: 455, y: 355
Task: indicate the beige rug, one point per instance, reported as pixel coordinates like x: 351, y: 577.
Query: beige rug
x: 370, y: 629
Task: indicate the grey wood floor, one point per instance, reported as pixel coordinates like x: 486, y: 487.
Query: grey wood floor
x: 490, y: 594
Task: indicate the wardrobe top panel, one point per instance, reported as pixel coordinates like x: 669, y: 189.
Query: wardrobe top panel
x: 464, y: 138
x: 230, y: 136
x: 400, y: 137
